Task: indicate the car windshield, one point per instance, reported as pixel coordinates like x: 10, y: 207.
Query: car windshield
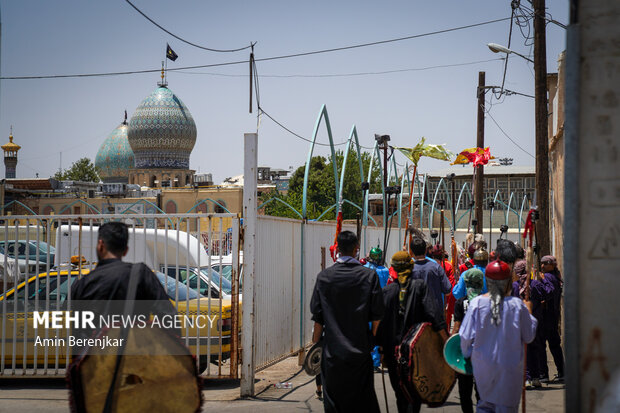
x: 57, y: 294
x: 224, y: 269
x: 45, y: 247
x: 173, y: 285
x: 216, y: 278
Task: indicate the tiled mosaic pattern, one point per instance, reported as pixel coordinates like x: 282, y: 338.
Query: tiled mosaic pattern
x: 115, y: 157
x: 162, y: 132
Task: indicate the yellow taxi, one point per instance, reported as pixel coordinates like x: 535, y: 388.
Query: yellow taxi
x: 21, y: 344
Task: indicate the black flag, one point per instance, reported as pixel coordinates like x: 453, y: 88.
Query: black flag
x: 170, y: 54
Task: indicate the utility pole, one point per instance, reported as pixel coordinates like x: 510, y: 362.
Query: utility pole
x: 542, y: 141
x: 479, y: 171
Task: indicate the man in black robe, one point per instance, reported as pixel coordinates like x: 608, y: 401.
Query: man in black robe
x: 407, y: 302
x: 346, y: 298
x: 110, y: 281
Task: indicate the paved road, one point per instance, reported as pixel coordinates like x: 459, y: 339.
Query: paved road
x: 301, y: 397
x: 51, y: 396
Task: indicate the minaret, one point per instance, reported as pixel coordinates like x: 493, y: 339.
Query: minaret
x: 10, y: 156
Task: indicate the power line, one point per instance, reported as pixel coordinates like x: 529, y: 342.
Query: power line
x: 262, y: 111
x: 506, y: 135
x: 183, y: 40
x: 257, y: 60
x: 337, y: 49
x: 349, y: 74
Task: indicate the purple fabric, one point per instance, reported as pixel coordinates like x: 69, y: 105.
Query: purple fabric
x: 553, y: 286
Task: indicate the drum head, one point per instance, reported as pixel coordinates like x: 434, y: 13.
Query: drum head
x: 312, y: 362
x: 454, y: 356
x: 431, y: 376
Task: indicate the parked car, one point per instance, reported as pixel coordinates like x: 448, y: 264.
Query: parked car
x: 28, y: 249
x: 225, y: 266
x: 214, y: 289
x: 50, y: 291
x: 22, y: 254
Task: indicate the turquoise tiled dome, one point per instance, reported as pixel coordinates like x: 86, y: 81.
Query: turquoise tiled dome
x: 162, y: 132
x: 115, y: 157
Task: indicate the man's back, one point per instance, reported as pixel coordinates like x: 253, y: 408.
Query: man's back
x: 435, y: 278
x: 496, y: 351
x: 382, y: 272
x: 420, y: 307
x: 110, y: 280
x: 346, y: 297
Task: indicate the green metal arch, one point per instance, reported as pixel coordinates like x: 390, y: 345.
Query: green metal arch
x: 275, y: 198
x: 18, y: 203
x: 448, y: 197
x: 143, y: 201
x: 322, y: 115
x: 352, y: 135
x: 79, y: 201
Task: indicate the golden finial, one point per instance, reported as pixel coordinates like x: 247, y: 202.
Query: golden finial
x: 163, y: 76
x: 11, y: 146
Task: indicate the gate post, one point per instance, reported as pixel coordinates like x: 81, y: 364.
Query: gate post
x: 250, y: 175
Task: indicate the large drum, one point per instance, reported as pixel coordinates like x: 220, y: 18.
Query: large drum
x: 422, y: 368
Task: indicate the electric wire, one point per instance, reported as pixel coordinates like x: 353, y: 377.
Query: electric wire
x: 350, y: 74
x: 257, y: 60
x: 183, y: 40
x: 296, y: 134
x: 509, y: 40
x: 398, y: 39
x: 507, y: 136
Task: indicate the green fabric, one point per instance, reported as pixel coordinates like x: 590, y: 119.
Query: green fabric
x: 473, y: 279
x: 432, y: 151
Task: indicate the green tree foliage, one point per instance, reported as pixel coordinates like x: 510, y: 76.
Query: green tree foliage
x: 321, y: 187
x: 81, y: 170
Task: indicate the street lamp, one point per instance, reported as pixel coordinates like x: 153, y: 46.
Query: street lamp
x: 497, y: 48
x: 541, y: 121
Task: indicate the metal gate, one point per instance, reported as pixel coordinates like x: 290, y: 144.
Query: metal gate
x: 41, y: 256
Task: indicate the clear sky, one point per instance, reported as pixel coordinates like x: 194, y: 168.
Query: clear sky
x: 416, y: 98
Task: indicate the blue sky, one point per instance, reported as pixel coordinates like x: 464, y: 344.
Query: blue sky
x: 74, y: 116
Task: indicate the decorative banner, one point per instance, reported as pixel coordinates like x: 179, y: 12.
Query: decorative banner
x: 478, y: 156
x: 332, y: 249
x: 170, y: 54
x: 432, y: 151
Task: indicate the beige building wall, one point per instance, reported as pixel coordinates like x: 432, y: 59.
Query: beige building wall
x: 179, y: 200
x: 555, y: 85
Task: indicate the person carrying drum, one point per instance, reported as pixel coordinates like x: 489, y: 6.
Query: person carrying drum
x: 407, y: 303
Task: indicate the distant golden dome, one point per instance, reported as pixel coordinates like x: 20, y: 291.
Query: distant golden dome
x: 11, y: 147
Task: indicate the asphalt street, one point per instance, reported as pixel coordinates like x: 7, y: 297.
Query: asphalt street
x: 51, y: 395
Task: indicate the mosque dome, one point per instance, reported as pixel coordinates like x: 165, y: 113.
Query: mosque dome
x: 162, y: 132
x: 115, y: 157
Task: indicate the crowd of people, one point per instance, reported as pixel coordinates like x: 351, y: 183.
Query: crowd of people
x: 504, y: 312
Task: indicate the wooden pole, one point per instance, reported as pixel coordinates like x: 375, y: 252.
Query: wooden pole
x: 479, y: 173
x: 542, y: 142
x: 411, y: 187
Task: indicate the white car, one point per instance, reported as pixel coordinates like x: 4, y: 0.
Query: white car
x: 16, y: 254
x: 212, y: 290
x: 224, y: 267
